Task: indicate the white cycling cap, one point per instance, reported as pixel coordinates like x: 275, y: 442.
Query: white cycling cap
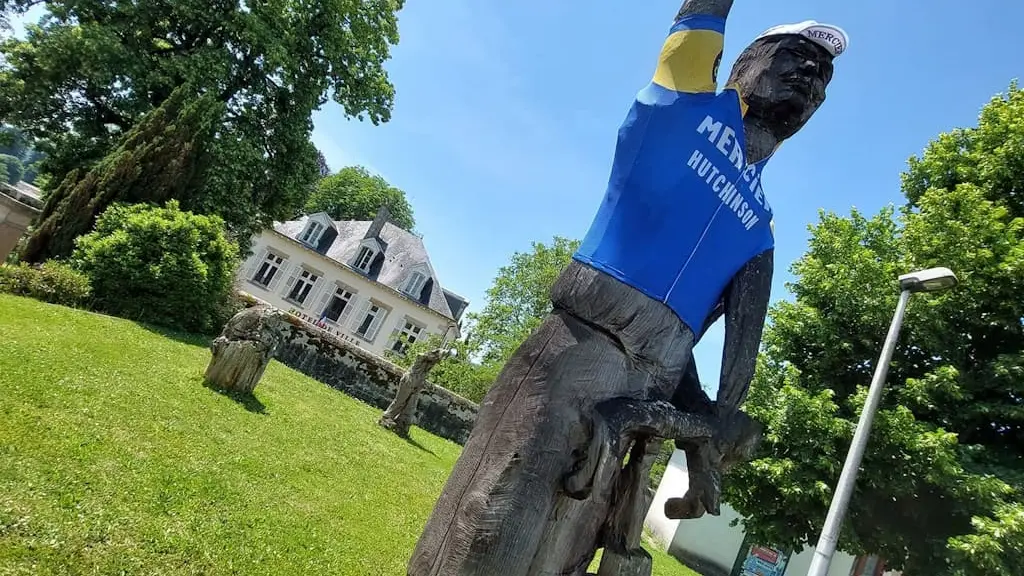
x: 829, y: 37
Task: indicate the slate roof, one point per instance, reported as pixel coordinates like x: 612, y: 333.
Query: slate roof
x: 403, y: 252
x: 456, y: 303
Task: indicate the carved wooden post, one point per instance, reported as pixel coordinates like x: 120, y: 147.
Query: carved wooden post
x: 244, y: 349
x: 398, y: 416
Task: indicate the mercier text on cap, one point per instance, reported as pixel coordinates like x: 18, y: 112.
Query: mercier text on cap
x: 831, y: 38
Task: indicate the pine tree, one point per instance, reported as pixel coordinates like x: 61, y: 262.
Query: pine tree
x: 160, y: 159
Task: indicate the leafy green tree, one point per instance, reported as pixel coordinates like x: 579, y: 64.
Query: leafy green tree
x: 459, y: 374
x: 355, y: 194
x: 13, y: 143
x: 161, y: 158
x: 89, y: 71
x: 940, y: 488
x: 160, y: 265
x: 32, y: 161
x: 518, y: 299
x: 11, y: 169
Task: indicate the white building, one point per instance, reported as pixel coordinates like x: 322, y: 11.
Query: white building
x: 369, y: 282
x: 714, y: 547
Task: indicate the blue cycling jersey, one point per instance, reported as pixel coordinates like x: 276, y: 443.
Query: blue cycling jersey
x: 683, y: 210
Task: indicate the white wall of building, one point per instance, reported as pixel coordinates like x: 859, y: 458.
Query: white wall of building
x: 675, y: 482
x: 398, y: 308
x: 711, y: 538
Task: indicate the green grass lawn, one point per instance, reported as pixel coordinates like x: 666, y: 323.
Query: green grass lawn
x: 115, y: 459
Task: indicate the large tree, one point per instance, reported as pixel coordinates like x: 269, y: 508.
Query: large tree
x: 162, y: 158
x: 87, y: 73
x: 355, y: 194
x: 518, y: 299
x: 940, y: 489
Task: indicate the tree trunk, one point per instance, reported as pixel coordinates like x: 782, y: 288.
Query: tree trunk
x: 398, y: 417
x: 244, y: 349
x: 237, y: 366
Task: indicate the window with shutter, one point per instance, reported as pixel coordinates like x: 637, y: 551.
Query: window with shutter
x: 280, y: 275
x: 302, y: 284
x: 339, y: 305
x: 378, y: 320
x: 360, y: 313
x: 367, y: 324
x: 408, y: 333
x: 364, y: 259
x: 256, y: 259
x: 414, y: 286
x: 312, y: 233
x: 325, y: 297
x: 269, y: 269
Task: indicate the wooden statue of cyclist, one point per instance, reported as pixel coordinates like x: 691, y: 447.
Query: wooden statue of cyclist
x: 682, y: 238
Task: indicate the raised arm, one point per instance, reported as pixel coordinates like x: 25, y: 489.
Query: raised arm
x: 717, y: 8
x: 693, y: 50
x: 746, y: 304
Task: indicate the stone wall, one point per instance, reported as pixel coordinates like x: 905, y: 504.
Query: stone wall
x: 370, y: 378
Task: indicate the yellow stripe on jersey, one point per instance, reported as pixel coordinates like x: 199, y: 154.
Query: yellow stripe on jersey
x: 688, y: 59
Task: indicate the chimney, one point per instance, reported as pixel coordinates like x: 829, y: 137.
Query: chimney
x: 383, y: 214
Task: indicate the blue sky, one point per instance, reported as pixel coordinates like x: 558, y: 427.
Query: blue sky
x: 506, y: 115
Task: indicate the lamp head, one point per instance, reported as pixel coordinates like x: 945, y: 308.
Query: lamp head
x: 930, y: 280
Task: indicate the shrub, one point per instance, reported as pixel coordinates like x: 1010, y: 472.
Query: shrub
x: 50, y: 282
x: 160, y: 265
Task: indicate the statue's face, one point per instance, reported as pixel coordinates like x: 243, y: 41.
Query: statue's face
x: 783, y: 79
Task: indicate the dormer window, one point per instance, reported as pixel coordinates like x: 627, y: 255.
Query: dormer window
x: 364, y: 258
x: 311, y: 235
x: 414, y: 286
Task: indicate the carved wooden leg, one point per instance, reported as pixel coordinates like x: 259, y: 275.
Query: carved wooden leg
x: 506, y: 508
x: 502, y: 496
x: 623, y: 554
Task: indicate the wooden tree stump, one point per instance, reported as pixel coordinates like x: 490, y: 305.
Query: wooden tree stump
x: 237, y: 366
x: 244, y: 349
x: 398, y: 416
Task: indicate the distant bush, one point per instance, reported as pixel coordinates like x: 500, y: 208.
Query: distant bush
x: 11, y: 169
x: 50, y: 282
x: 160, y: 265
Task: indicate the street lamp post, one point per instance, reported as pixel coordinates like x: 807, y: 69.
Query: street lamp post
x: 931, y: 280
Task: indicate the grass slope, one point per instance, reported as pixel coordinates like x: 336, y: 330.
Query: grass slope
x: 115, y: 459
